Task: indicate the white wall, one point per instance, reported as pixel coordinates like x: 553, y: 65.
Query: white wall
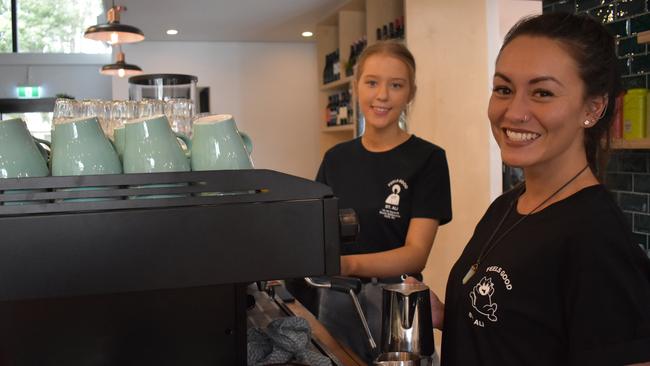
x: 455, y: 44
x: 75, y: 75
x: 501, y: 16
x: 270, y: 88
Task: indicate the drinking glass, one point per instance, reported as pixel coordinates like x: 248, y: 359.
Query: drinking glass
x: 150, y: 108
x: 94, y: 108
x: 120, y: 112
x: 64, y: 109
x: 179, y: 111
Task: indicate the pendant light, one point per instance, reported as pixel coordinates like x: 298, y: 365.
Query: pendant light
x: 120, y: 67
x: 114, y: 32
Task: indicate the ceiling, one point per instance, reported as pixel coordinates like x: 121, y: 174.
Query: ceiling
x: 226, y: 20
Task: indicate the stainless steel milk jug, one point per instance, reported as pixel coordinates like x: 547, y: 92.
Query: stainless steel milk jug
x: 406, y: 320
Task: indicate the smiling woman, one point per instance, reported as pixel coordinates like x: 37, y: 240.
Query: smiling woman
x: 538, y: 106
x: 397, y: 183
x: 551, y: 275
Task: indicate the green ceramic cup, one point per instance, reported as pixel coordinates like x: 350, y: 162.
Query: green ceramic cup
x: 150, y: 146
x: 20, y: 155
x: 79, y: 147
x: 118, y: 140
x: 217, y: 144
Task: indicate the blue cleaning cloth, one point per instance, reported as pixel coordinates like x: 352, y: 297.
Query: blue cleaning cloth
x: 285, y: 339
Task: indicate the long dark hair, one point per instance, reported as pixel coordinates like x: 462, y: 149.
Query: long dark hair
x: 593, y: 49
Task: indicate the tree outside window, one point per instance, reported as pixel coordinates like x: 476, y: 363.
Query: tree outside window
x: 6, y: 38
x: 51, y: 26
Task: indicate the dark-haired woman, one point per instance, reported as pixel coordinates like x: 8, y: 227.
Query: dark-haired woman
x: 551, y: 275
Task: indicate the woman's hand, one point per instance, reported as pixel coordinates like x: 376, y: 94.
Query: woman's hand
x: 409, y: 258
x: 346, y: 265
x: 437, y: 306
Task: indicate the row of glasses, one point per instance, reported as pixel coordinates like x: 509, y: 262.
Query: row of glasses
x: 113, y: 114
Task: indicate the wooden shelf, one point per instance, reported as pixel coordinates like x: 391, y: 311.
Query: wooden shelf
x: 339, y: 29
x: 337, y: 84
x: 348, y: 127
x: 619, y: 144
x: 643, y: 37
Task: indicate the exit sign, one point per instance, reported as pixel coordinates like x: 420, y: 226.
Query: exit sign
x: 27, y: 92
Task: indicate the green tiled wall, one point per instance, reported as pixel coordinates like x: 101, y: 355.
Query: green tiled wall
x: 628, y: 172
x: 624, y: 18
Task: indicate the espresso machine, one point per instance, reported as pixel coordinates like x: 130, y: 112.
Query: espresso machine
x: 103, y: 276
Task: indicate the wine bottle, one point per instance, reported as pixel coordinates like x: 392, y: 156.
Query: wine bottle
x: 351, y: 60
x: 398, y: 28
x: 327, y: 111
x: 326, y: 69
x: 337, y: 66
x: 342, y: 116
x: 334, y: 110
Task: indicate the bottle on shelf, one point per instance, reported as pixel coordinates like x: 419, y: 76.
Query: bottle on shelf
x: 398, y: 29
x: 342, y: 115
x: 349, y: 66
x: 337, y: 65
x: 326, y: 69
x: 392, y: 30
x: 355, y: 50
x: 326, y: 115
x: 332, y: 69
x: 333, y: 110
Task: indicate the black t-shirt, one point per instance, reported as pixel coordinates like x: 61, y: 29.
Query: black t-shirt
x: 567, y: 286
x: 387, y: 189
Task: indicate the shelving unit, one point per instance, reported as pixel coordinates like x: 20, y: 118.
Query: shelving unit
x: 621, y: 144
x: 643, y: 37
x: 340, y: 29
x: 344, y: 128
x: 337, y: 84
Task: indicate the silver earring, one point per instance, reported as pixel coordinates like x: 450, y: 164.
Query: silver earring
x: 586, y: 122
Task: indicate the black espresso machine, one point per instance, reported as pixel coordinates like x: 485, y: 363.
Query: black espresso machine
x: 151, y: 269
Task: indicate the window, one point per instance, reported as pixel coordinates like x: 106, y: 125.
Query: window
x: 6, y: 36
x: 50, y: 26
x: 37, y: 113
x: 39, y: 124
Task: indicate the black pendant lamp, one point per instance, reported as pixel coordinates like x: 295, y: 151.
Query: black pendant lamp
x: 120, y: 67
x: 114, y: 32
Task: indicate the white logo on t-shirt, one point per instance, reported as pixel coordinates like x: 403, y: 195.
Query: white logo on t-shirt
x: 393, y: 198
x: 481, y: 296
x: 391, y: 203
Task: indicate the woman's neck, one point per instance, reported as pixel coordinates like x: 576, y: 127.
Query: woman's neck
x: 376, y: 140
x: 541, y: 184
